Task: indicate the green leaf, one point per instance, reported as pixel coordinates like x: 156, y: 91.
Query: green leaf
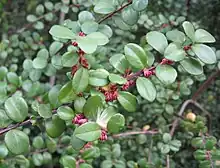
x: 17, y: 142
x: 51, y: 145
x: 146, y: 89
x: 176, y: 36
x: 106, y: 30
x: 135, y: 55
x: 165, y: 149
x: 55, y: 127
x: 104, y: 7
x: 139, y: 5
x: 114, y: 78
x: 27, y: 64
x: 98, y: 77
x: 67, y: 94
x: 3, y: 72
x: 79, y: 104
x: 68, y: 161
x: 85, y: 165
x: 35, y: 74
x: 37, y: 159
x: 119, y: 62
x: 31, y: 18
x: 16, y: 108
x: 85, y: 16
x: 202, y: 36
x: 47, y: 157
x: 38, y: 142
x: 4, y: 120
x: 44, y: 110
x: 157, y: 40
x: 50, y: 70
x: 92, y: 106
x: 55, y: 47
x: 87, y: 44
x: 90, y: 42
x: 128, y: 101
x: 167, y: 137
x: 13, y: 78
x: 65, y: 113
x: 121, y: 24
x: 39, y: 63
x: 48, y: 5
x: 107, y: 164
x: 205, y: 53
x: 119, y: 164
x: 77, y: 143
x: 192, y: 66
x: 43, y: 53
x: 197, y: 142
x: 98, y: 38
x: 166, y: 74
x: 3, y: 151
x: 61, y: 32
x: 104, y: 116
x: 80, y: 80
x: 89, y: 27
x: 53, y: 96
x: 91, y: 153
x: 174, y: 53
x: 69, y: 59
x: 56, y: 61
x: 40, y: 9
x: 89, y: 131
x: 175, y: 145
x: 116, y: 123
x: 169, y: 109
x: 189, y: 30
x: 130, y: 16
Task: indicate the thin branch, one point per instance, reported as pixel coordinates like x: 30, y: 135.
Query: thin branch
x: 24, y: 123
x: 180, y: 113
x: 139, y: 73
x: 168, y: 162
x: 113, y: 13
x: 100, y: 21
x: 182, y: 109
x: 4, y: 130
x: 205, y: 85
x: 152, y: 132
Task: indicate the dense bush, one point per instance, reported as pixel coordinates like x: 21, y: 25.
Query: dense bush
x: 108, y: 83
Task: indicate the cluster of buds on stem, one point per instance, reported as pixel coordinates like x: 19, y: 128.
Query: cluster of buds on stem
x: 188, y: 47
x: 166, y: 61
x: 110, y: 92
x: 103, y: 136
x: 79, y: 119
x: 148, y: 72
x: 74, y: 69
x: 82, y: 34
x: 128, y: 84
x: 83, y: 61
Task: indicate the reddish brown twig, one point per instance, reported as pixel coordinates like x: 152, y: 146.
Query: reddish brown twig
x: 4, y: 130
x: 113, y: 13
x: 205, y: 85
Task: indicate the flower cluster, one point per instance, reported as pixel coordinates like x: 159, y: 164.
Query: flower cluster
x: 128, y: 84
x: 110, y: 92
x: 79, y: 119
x: 103, y: 136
